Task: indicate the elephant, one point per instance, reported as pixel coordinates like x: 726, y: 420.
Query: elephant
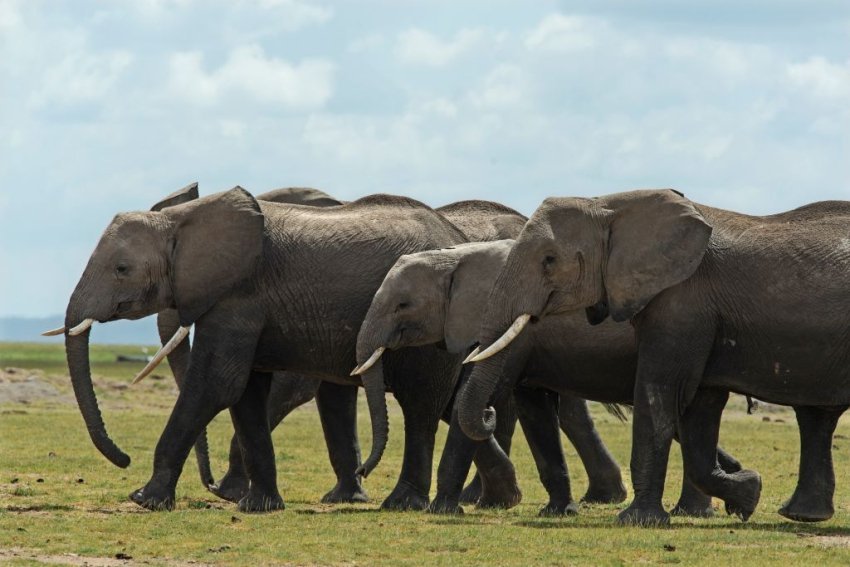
x: 337, y: 404
x: 268, y: 287
x: 441, y: 295
x: 719, y: 301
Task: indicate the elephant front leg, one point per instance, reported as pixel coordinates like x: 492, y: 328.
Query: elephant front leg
x: 338, y: 411
x: 538, y: 415
x: 605, y: 481
x: 191, y: 414
x: 652, y: 434
x: 812, y: 498
x: 699, y: 429
x: 252, y: 428
x: 692, y: 501
x: 505, y: 427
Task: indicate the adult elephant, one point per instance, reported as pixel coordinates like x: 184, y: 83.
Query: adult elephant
x: 441, y: 296
x: 337, y: 404
x: 720, y: 302
x: 268, y: 287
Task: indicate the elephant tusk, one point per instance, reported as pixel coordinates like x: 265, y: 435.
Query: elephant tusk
x: 369, y: 363
x: 53, y: 332
x: 472, y: 355
x: 81, y: 328
x: 166, y: 349
x: 513, y: 332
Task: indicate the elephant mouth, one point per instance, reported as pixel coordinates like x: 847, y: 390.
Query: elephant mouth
x: 130, y: 310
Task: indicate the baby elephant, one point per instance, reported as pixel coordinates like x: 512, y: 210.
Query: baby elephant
x: 439, y: 296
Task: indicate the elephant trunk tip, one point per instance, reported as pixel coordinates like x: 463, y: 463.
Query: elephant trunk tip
x: 479, y: 428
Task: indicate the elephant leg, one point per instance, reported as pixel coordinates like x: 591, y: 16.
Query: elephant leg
x: 812, y: 498
x: 692, y: 501
x: 699, y: 431
x: 338, y: 412
x: 288, y: 391
x: 250, y: 419
x: 538, y: 415
x: 505, y: 427
x: 605, y: 482
x: 412, y: 489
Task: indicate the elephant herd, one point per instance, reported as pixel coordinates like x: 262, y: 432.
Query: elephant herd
x: 641, y: 299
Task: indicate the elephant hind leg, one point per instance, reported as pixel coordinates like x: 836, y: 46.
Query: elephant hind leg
x: 812, y: 498
x: 338, y: 412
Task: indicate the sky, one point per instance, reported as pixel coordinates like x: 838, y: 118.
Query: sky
x: 107, y: 106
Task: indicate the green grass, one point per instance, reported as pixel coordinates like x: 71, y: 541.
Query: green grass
x: 59, y: 496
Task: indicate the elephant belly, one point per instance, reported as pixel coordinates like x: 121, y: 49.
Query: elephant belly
x: 790, y: 368
x: 608, y: 379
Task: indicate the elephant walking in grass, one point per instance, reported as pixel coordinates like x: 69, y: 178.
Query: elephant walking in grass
x: 267, y: 287
x: 719, y: 301
x: 441, y: 296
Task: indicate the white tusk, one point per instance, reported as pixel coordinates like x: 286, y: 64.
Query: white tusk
x: 81, y: 328
x: 472, y: 355
x: 369, y: 363
x: 513, y: 331
x: 166, y: 349
x: 53, y: 332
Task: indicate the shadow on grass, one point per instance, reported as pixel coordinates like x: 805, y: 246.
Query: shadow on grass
x: 799, y: 529
x: 338, y: 510
x: 38, y: 508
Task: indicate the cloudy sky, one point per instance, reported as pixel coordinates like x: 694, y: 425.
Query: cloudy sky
x: 107, y: 106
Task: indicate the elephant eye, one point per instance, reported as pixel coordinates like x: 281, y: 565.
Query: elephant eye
x: 548, y: 260
x: 402, y: 306
x: 122, y: 269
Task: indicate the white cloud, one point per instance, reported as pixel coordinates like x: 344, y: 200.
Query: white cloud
x: 366, y: 43
x: 10, y: 15
x: 81, y: 77
x: 822, y: 78
x: 421, y: 47
x: 249, y: 72
x: 557, y: 32
x: 298, y: 13
x: 504, y: 86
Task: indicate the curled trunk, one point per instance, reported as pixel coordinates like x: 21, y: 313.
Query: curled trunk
x: 77, y: 353
x: 167, y: 323
x: 477, y: 419
x: 373, y: 383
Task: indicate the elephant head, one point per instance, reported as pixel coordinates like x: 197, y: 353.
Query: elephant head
x: 184, y: 257
x: 608, y: 255
x: 429, y: 297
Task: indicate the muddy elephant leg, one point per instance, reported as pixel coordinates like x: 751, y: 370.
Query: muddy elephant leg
x: 538, y: 415
x: 605, y: 481
x: 699, y: 430
x: 338, y: 412
x: 288, y: 391
x: 505, y: 427
x: 250, y: 419
x: 812, y: 498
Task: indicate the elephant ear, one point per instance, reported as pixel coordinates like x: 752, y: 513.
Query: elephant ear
x: 657, y: 240
x: 469, y: 288
x: 184, y: 195
x: 217, y: 243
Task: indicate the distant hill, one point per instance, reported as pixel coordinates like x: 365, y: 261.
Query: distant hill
x: 25, y: 329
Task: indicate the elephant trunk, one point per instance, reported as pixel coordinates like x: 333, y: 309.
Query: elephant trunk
x: 373, y: 383
x: 77, y: 353
x: 167, y: 322
x: 477, y: 418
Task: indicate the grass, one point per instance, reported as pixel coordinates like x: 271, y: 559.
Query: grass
x: 58, y: 496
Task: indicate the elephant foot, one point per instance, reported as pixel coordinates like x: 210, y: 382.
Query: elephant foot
x: 231, y: 487
x: 405, y: 497
x: 608, y: 493
x: 346, y: 493
x: 472, y: 493
x: 153, y: 499
x: 643, y: 516
x: 693, y: 504
x: 745, y: 494
x: 261, y: 502
x: 807, y: 507
x: 444, y: 505
x: 499, y: 489
x: 555, y: 509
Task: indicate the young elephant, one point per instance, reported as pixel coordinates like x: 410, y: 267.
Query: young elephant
x: 441, y: 296
x: 267, y: 287
x: 720, y: 302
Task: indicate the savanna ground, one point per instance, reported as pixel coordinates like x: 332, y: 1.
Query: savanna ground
x: 61, y: 502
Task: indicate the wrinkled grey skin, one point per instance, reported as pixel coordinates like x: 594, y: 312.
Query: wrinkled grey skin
x: 337, y: 404
x: 441, y: 295
x: 267, y: 287
x: 720, y: 302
